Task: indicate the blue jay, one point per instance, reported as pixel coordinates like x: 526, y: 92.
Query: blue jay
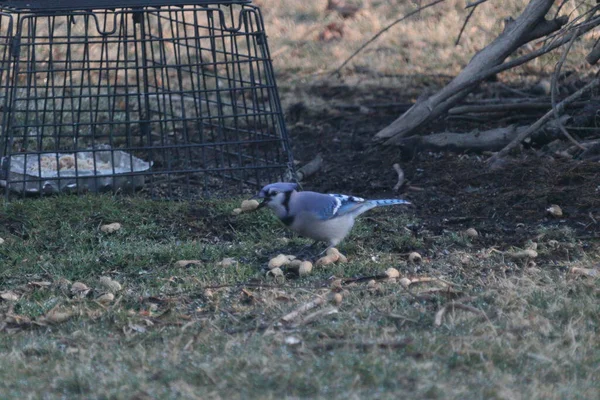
x: 322, y: 217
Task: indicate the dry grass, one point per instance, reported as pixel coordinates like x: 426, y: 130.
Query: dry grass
x: 421, y: 46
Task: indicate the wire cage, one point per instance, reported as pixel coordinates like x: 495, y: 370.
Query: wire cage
x: 177, y: 100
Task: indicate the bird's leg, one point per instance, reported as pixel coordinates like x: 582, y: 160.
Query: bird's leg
x: 331, y: 246
x: 308, y: 250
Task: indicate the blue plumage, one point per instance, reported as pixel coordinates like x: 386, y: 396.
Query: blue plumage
x: 322, y: 217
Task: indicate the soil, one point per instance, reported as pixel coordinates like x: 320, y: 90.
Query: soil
x: 450, y: 191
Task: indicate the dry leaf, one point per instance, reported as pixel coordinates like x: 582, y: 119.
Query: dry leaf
x: 110, y: 228
x: 414, y: 257
x: 9, y: 296
x: 56, y: 317
x: 555, y: 210
x: 227, y: 262
x: 527, y: 253
x: 333, y: 31
x: 112, y: 285
x: 80, y: 289
x: 292, y: 341
x: 472, y: 233
x: 106, y: 298
x: 137, y: 328
x: 186, y: 263
x: 336, y: 285
x: 585, y: 271
x: 392, y: 273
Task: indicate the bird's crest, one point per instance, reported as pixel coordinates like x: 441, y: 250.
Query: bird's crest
x: 279, y: 187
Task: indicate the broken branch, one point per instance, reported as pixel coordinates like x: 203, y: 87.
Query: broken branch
x: 490, y: 140
x: 400, y: 173
x: 310, y: 168
x: 554, y: 89
x: 594, y: 55
x: 540, y: 122
x: 506, y: 107
x: 485, y: 63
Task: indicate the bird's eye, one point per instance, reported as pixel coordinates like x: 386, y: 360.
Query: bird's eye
x: 274, y: 193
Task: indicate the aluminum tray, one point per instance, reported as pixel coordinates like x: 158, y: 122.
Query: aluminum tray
x: 23, y: 173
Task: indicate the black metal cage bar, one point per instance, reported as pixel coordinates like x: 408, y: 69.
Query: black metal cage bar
x: 177, y: 100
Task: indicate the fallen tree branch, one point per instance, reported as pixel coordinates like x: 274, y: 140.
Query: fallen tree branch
x: 515, y: 35
x: 543, y: 120
x: 426, y: 110
x: 490, y: 140
x: 507, y: 107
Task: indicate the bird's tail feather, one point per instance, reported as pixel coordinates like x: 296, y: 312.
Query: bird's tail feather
x: 388, y: 202
x: 369, y: 204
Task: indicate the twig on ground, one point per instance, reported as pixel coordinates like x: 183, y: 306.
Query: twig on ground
x: 400, y: 173
x: 594, y: 273
x: 316, y: 315
x: 540, y: 122
x: 332, y: 344
x: 554, y: 89
x: 381, y: 32
x: 439, y: 316
x: 427, y: 279
x: 314, y: 303
x: 364, y: 279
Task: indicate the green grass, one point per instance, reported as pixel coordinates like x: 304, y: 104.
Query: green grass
x: 166, y: 336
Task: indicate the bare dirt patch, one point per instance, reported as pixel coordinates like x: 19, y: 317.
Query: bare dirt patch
x: 507, y: 205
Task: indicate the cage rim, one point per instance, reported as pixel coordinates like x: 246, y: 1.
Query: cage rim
x: 70, y: 5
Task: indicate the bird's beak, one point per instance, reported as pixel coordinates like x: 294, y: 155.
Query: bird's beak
x: 260, y: 205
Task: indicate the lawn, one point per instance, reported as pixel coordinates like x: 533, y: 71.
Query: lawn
x: 207, y: 330
x: 503, y: 314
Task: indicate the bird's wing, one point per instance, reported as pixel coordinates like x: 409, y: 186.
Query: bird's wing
x: 347, y: 204
x: 324, y: 206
